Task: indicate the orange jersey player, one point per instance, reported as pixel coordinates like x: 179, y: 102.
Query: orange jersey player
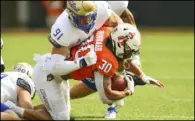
x: 107, y: 63
x: 112, y: 47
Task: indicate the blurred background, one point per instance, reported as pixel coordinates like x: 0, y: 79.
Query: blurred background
x: 33, y: 14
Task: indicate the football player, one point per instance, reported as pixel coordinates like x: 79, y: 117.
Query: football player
x: 17, y: 86
x: 89, y: 85
x: 76, y: 23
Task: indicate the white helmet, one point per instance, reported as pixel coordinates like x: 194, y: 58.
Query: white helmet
x: 126, y: 40
x: 23, y: 68
x: 82, y: 11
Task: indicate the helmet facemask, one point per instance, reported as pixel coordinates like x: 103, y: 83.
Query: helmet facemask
x: 82, y: 22
x: 82, y: 18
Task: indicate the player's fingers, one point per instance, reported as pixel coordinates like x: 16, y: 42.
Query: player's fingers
x: 160, y: 84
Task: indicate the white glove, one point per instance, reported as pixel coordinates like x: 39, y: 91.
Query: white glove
x: 130, y: 83
x: 150, y: 80
x: 88, y: 60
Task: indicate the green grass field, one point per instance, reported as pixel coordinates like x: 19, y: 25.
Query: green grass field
x: 167, y: 56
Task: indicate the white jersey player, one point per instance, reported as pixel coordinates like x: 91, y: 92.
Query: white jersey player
x: 74, y: 25
x: 67, y: 31
x: 17, y: 86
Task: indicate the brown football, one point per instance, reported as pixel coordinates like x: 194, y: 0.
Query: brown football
x: 118, y: 83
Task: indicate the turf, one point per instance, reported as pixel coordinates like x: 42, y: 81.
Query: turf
x: 167, y: 56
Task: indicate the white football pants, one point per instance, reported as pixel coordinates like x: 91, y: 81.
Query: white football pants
x: 51, y: 93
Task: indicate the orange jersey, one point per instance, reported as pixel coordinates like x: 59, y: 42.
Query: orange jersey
x: 106, y: 64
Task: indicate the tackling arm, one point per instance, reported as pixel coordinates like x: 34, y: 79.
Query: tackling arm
x: 57, y: 64
x: 113, y: 20
x: 107, y: 95
x: 24, y: 92
x: 24, y: 98
x: 130, y: 66
x: 128, y: 17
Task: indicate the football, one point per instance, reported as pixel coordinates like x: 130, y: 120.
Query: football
x: 118, y: 83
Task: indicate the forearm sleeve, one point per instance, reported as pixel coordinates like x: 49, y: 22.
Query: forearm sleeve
x: 60, y: 66
x: 56, y: 64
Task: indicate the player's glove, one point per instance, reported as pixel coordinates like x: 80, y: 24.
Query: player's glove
x: 88, y: 60
x: 130, y: 82
x: 150, y: 80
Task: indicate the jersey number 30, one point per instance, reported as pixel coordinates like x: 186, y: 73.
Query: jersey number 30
x: 105, y: 66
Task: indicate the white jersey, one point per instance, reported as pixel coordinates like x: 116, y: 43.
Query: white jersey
x: 9, y: 83
x: 118, y: 6
x: 64, y: 33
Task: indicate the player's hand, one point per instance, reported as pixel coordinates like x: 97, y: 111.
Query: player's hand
x: 150, y: 80
x: 89, y: 59
x: 14, y: 108
x: 130, y: 83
